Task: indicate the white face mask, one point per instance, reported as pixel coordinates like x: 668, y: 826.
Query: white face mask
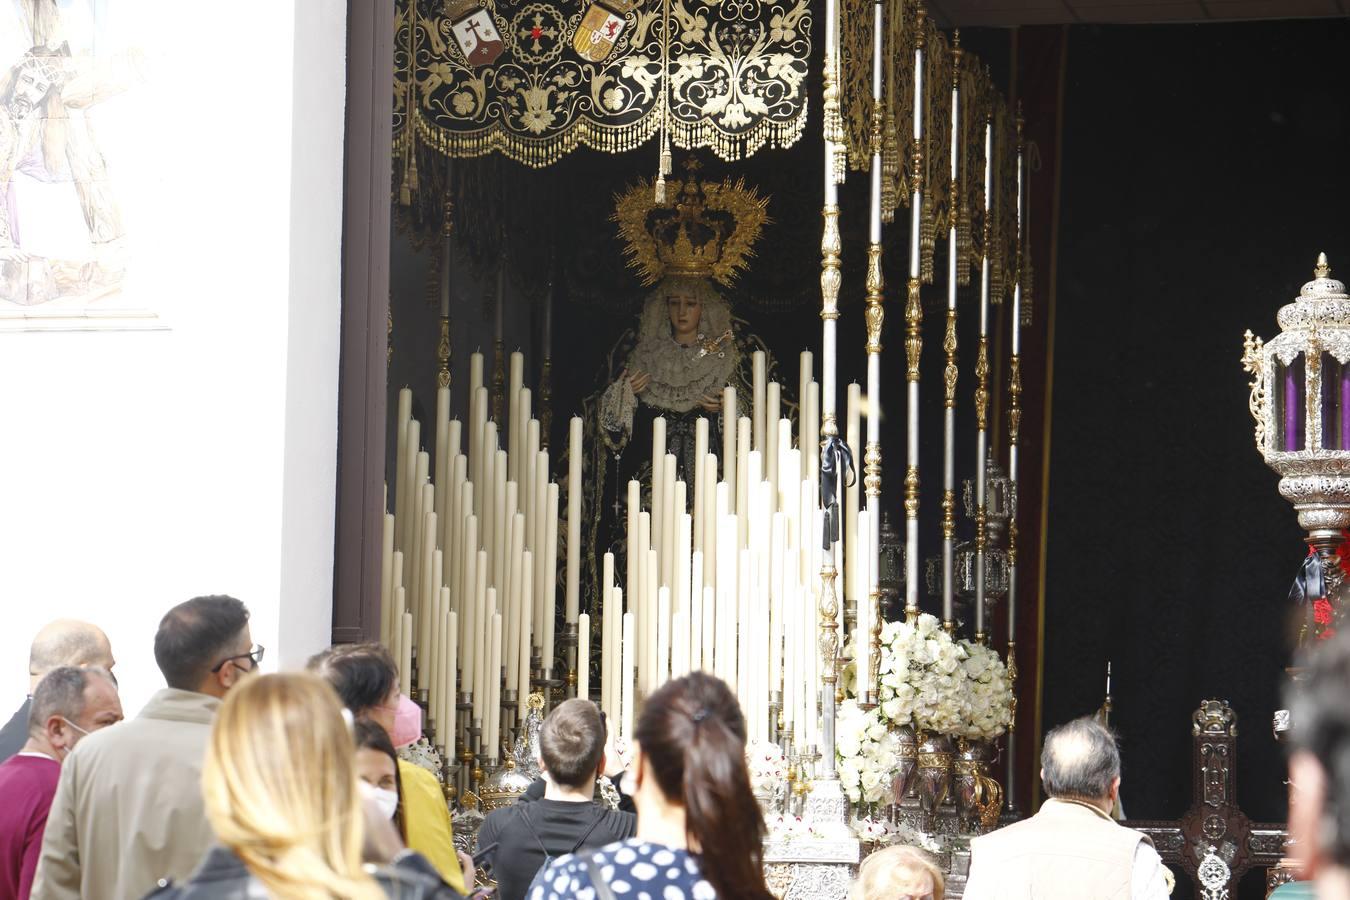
x: 385, y: 800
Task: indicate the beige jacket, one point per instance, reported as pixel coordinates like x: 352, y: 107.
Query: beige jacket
x: 128, y: 809
x: 1067, y: 851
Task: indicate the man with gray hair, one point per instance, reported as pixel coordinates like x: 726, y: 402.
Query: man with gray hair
x: 1071, y: 849
x: 67, y: 704
x: 65, y: 642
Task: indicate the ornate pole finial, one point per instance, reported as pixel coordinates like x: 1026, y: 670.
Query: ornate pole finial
x: 1323, y: 269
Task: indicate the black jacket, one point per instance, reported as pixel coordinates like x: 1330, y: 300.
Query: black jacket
x: 223, y: 876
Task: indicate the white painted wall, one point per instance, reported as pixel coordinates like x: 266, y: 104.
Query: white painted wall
x: 138, y: 469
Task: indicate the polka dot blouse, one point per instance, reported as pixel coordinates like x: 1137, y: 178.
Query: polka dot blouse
x: 633, y: 869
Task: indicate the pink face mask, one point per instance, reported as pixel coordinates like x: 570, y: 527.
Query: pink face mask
x: 407, y: 723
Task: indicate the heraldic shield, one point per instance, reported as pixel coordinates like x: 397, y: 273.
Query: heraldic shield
x: 600, y: 30
x: 476, y: 35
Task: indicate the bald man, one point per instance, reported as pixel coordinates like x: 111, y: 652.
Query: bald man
x: 65, y: 642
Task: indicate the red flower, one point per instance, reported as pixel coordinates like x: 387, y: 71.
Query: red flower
x: 1322, y: 611
x: 1326, y: 633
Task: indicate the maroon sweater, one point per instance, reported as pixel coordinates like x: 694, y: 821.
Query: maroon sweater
x: 27, y: 785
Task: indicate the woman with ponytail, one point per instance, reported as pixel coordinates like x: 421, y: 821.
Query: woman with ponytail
x: 699, y: 828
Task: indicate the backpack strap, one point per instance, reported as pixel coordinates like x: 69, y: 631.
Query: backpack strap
x: 582, y: 840
x: 602, y: 891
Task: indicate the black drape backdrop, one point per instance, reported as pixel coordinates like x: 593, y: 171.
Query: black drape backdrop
x: 1203, y: 169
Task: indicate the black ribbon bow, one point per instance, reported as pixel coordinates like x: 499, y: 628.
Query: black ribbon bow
x: 1309, y: 584
x: 836, y: 459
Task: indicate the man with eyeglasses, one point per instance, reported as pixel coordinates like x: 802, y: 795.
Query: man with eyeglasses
x: 68, y: 704
x: 128, y: 808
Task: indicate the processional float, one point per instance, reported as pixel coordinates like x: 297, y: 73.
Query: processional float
x: 847, y: 748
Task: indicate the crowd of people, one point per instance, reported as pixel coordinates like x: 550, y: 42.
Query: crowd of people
x: 234, y: 784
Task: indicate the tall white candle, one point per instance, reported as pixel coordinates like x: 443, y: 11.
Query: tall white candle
x: 696, y: 611
x: 478, y: 640
x: 670, y: 516
x: 440, y: 468
x: 453, y: 526
x: 742, y: 492
x: 773, y: 402
x: 438, y: 683
x: 468, y: 586
x: 777, y: 599
x: 512, y: 620
x: 505, y: 497
x: 683, y: 531
x: 608, y: 641
x: 710, y: 514
x: 523, y: 452
x: 574, y: 489
x: 515, y: 379
x: 853, y: 436
x: 402, y: 470
x: 405, y: 658
x: 494, y: 682
x: 584, y: 656
x: 862, y: 644
x: 729, y: 435
x: 637, y: 596
x: 699, y: 475
x: 386, y: 577
x: 450, y: 729
x: 479, y: 450
x: 628, y: 683
x: 487, y: 518
x: 550, y: 573
x: 539, y: 526
x: 662, y: 637
x: 658, y: 489
x: 812, y: 449
x: 532, y: 496
x: 650, y: 623
x: 632, y: 559
x: 760, y: 407
x: 679, y: 643
x: 525, y: 650
x: 806, y: 372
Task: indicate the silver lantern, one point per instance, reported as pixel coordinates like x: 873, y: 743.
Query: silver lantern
x: 1300, y: 398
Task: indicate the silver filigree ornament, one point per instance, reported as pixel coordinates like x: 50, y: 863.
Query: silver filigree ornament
x: 1300, y: 400
x: 1214, y: 876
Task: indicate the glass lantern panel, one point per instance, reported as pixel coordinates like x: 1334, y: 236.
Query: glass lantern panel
x: 1288, y: 404
x: 1335, y: 404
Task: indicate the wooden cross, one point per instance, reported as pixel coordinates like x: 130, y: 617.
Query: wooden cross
x: 1215, y: 838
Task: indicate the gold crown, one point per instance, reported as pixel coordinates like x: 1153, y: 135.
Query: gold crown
x: 708, y: 230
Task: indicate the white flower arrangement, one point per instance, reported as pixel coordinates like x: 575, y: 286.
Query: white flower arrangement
x: 790, y: 828
x: 922, y: 679
x: 867, y: 753
x: 988, y: 693
x: 768, y: 767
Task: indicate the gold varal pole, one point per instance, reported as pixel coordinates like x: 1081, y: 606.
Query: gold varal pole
x: 830, y: 277
x: 949, y: 373
x: 913, y: 336
x: 1014, y: 424
x: 982, y: 376
x: 870, y: 627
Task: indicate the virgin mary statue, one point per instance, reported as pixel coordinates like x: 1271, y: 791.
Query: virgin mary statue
x: 687, y: 347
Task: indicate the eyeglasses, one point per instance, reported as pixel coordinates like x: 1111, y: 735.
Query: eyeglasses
x: 256, y: 655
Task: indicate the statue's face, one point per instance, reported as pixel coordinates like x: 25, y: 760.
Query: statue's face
x: 685, y: 313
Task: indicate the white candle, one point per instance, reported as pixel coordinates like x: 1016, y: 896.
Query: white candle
x: 539, y: 543
x: 494, y: 711
x: 438, y: 683
x: 478, y: 640
x: 777, y: 599
x: 519, y: 575
x: 408, y: 517
x: 759, y: 408
x: 632, y: 559
x: 468, y: 582
x: 425, y: 619
x: 637, y: 597
x: 608, y: 643
x: 453, y: 526
x: 475, y: 371
x: 478, y: 451
x: 550, y: 574
x: 662, y: 637
x: 727, y: 584
x: 696, y: 612
x: 515, y: 379
x: 524, y: 651
x: 532, y: 494
x: 679, y: 650
x: 862, y: 644
x: 451, y: 728
x: 504, y: 494
x: 523, y: 452
x: 729, y: 435
x: 441, y: 465
x: 486, y: 487
x: 683, y: 530
x: 658, y: 486
x: 710, y: 514
x: 386, y: 578
x: 628, y: 684
x: 773, y: 403
x: 811, y: 451
x: 405, y: 658
x: 670, y: 516
x: 574, y: 489
x: 584, y: 656
x: 745, y: 590
x: 853, y: 579
x: 650, y: 624
x: 743, y: 478
x: 402, y: 471
x: 700, y: 475
x: 806, y: 372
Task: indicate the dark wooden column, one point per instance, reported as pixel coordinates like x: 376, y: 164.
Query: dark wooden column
x: 365, y: 311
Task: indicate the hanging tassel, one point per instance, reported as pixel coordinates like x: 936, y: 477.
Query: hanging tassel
x: 661, y: 189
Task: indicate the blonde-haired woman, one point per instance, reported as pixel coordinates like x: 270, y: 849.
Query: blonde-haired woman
x: 898, y: 873
x: 280, y: 785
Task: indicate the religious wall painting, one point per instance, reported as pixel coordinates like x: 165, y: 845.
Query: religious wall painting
x: 64, y: 245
